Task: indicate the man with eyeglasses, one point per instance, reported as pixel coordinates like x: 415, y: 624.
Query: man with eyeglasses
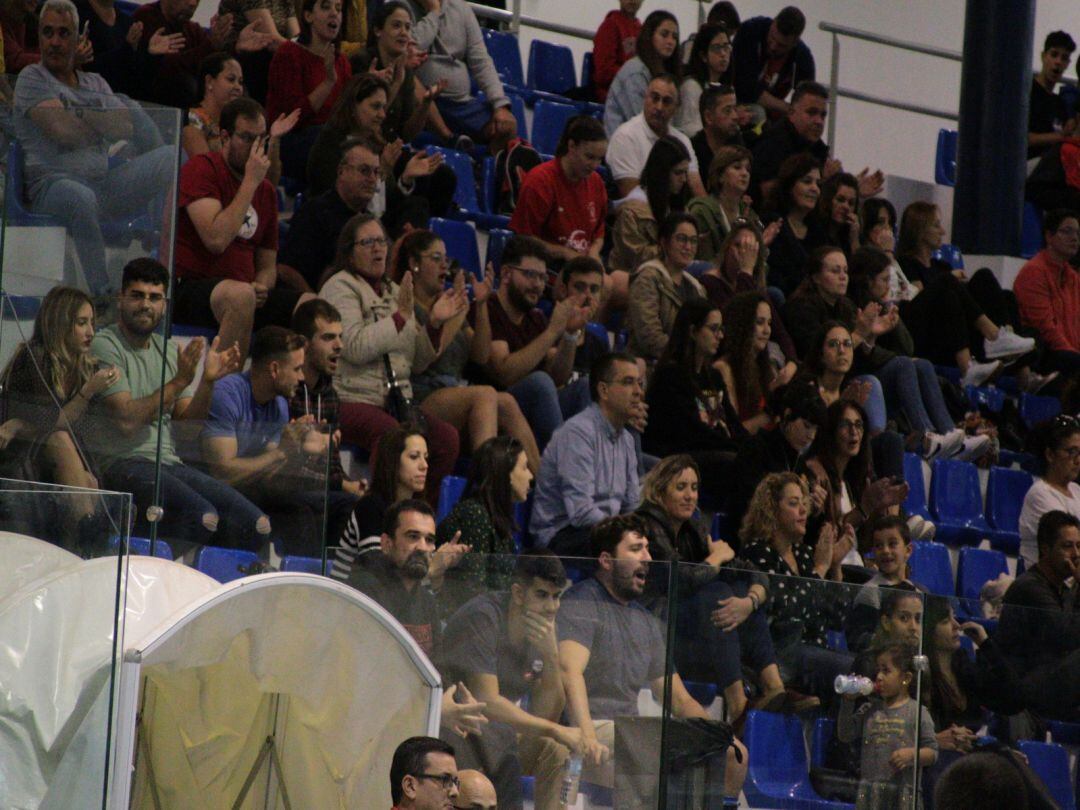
x: 770, y: 59
x: 313, y: 232
x: 139, y: 410
x: 424, y: 775
x: 1048, y: 293
x: 631, y: 143
x: 227, y: 235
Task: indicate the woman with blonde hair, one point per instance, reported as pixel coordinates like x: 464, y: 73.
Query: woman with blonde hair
x: 802, y: 608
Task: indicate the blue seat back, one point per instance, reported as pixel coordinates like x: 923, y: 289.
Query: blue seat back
x: 224, y: 564
x: 703, y: 693
x: 587, y: 72
x: 462, y: 166
x: 1031, y: 231
x: 503, y: 48
x: 954, y: 492
x: 915, y: 503
x: 976, y: 566
x: 551, y: 67
x: 303, y: 565
x: 1051, y: 762
x: 1005, y: 491
x: 824, y: 729
x: 598, y: 331
x: 931, y: 568
x: 985, y: 398
x: 141, y: 546
x: 777, y: 755
x: 945, y: 161
x: 517, y: 107
x: 951, y: 255
x: 549, y: 121
x: 497, y: 239
x: 1035, y: 409
x: 450, y: 491
x: 460, y: 241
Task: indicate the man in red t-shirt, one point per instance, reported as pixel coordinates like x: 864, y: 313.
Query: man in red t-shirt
x: 227, y: 232
x: 563, y: 202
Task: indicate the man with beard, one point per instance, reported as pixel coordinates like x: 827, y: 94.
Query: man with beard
x: 1048, y: 122
x: 138, y: 407
x: 533, y: 357
x: 227, y: 234
x: 250, y: 443
x: 611, y: 646
x: 720, y: 123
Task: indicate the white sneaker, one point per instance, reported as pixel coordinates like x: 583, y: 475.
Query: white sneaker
x: 921, y: 528
x: 979, y: 373
x: 1037, y: 382
x: 1007, y: 344
x: 943, y: 445
x: 975, y: 447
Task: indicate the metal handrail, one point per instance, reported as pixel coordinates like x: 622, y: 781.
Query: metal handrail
x: 515, y: 19
x: 836, y: 91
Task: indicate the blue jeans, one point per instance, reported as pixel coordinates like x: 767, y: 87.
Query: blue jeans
x: 547, y: 407
x: 189, y: 497
x: 875, y: 405
x: 912, y: 386
x: 467, y: 117
x: 813, y: 669
x: 80, y: 204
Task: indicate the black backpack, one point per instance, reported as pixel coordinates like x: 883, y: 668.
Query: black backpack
x: 511, y: 165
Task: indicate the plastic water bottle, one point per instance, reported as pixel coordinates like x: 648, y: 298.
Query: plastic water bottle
x: 853, y: 685
x: 568, y: 797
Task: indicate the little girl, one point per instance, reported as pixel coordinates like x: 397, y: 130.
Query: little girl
x: 886, y: 724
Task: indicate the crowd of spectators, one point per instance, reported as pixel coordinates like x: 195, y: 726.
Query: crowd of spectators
x: 782, y: 326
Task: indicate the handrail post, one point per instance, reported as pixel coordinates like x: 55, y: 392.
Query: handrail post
x: 515, y: 21
x: 834, y: 79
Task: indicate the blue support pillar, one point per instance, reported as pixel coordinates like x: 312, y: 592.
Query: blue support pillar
x: 995, y: 87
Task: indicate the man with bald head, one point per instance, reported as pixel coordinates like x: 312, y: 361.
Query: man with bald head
x: 475, y: 792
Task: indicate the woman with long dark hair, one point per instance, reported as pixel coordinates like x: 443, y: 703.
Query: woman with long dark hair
x: 658, y: 288
x: 709, y: 63
x: 657, y: 53
x: 794, y: 199
x: 837, y: 213
x: 744, y: 361
x: 699, y: 417
x: 663, y: 190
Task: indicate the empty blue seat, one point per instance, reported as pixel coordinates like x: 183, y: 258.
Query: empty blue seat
x: 450, y: 491
x: 462, y: 166
x: 303, y: 565
x: 503, y: 48
x: 587, y: 72
x: 551, y: 69
x: 1035, y: 409
x: 497, y: 239
x: 1005, y: 491
x: 549, y: 121
x: 915, y: 503
x: 956, y: 502
x: 460, y: 241
x: 945, y: 160
x: 986, y: 398
x: 1031, y: 232
x: 226, y: 564
x: 141, y: 546
x: 1051, y: 762
x: 931, y: 567
x: 778, y: 775
x: 976, y: 566
x: 824, y: 729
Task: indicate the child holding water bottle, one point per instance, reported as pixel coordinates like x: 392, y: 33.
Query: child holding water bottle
x: 886, y: 726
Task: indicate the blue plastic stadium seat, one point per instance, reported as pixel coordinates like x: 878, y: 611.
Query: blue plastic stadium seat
x: 1035, y: 409
x: 721, y: 523
x: 986, y: 398
x: 1005, y: 491
x: 503, y: 48
x: 703, y: 693
x: 460, y: 241
x: 587, y: 72
x: 1051, y: 762
x: 1063, y: 733
x: 836, y: 640
x: 141, y: 546
x: 549, y: 121
x: 551, y: 68
x: 303, y: 565
x: 15, y: 210
x: 824, y: 729
x: 915, y: 503
x: 975, y: 567
x: 1031, y: 232
x: 492, y: 220
x: 945, y: 161
x: 931, y: 567
x: 497, y: 239
x: 470, y: 204
x: 956, y: 502
x: 599, y: 331
x: 450, y: 491
x: 225, y: 564
x: 951, y: 255
x: 778, y: 774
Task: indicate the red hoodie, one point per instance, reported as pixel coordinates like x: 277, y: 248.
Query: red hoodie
x: 615, y: 43
x: 1048, y: 293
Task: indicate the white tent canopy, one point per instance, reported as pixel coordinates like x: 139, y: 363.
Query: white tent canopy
x: 27, y: 559
x: 315, y: 665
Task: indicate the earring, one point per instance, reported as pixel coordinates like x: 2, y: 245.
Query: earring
x: 416, y: 269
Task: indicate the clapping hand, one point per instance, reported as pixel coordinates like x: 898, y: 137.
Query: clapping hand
x: 84, y: 51
x: 220, y: 362
x: 160, y: 44
x: 870, y: 183
x: 405, y: 300
x: 449, y: 305
x: 482, y: 289
x: 415, y: 57
x: 284, y: 124
x: 421, y: 164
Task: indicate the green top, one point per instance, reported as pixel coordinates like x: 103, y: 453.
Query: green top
x: 490, y: 564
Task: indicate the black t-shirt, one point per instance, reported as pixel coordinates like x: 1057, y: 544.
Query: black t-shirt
x: 1046, y: 114
x: 415, y: 609
x: 704, y: 152
x: 777, y: 143
x: 477, y: 640
x: 313, y: 233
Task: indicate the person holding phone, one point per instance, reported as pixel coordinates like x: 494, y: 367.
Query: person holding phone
x: 227, y: 233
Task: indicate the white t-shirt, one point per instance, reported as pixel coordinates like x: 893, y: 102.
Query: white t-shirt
x: 631, y: 143
x: 1040, y: 499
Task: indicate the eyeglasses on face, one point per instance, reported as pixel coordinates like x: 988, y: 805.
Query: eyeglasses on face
x: 446, y: 780
x: 852, y: 425
x: 533, y: 276
x: 365, y: 169
x: 836, y: 343
x: 685, y: 239
x: 371, y: 241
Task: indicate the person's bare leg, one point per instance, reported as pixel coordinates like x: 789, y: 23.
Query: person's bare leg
x: 513, y: 422
x: 963, y: 360
x: 69, y: 470
x: 615, y: 296
x: 734, y: 700
x: 233, y: 305
x: 771, y: 682
x: 469, y: 409
x: 987, y: 328
x: 735, y: 771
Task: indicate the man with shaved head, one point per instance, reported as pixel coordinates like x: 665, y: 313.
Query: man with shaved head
x: 475, y: 792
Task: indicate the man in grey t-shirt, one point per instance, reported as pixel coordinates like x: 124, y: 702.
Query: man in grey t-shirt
x: 71, y: 126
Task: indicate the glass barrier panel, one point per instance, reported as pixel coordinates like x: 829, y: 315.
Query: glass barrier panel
x: 89, y: 184
x: 62, y: 622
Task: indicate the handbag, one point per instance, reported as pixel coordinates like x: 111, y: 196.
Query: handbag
x: 399, y: 404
